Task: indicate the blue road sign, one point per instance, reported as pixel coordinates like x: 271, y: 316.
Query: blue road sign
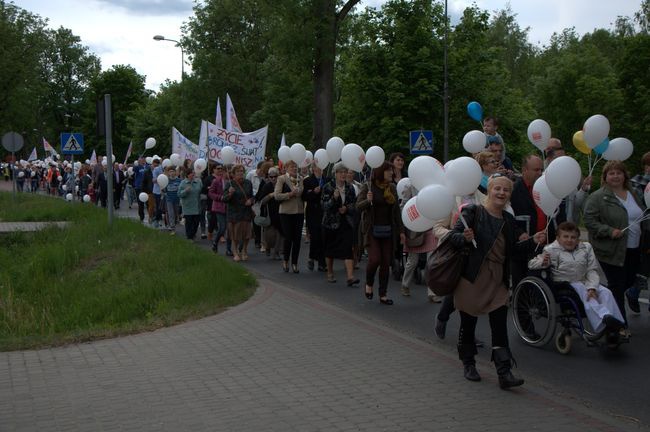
x: 421, y: 142
x: 72, y: 143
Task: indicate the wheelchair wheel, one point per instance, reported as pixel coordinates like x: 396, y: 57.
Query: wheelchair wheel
x: 534, y: 311
x: 563, y: 342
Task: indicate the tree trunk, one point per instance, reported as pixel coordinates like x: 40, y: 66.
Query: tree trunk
x: 328, y: 21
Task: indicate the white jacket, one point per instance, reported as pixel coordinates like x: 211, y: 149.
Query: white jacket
x: 579, y: 265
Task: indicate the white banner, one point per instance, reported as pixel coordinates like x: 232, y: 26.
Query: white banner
x: 185, y: 148
x: 250, y: 147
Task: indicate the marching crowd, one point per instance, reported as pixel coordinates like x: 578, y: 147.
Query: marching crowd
x: 348, y: 215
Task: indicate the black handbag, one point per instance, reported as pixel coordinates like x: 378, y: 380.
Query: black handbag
x: 381, y: 231
x: 445, y: 265
x: 444, y: 268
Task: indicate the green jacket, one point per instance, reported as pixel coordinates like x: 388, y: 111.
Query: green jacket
x: 603, y: 213
x: 189, y: 193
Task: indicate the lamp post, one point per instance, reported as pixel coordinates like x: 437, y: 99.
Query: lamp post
x: 178, y: 44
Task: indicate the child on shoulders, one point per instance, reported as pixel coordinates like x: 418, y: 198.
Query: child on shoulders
x: 574, y: 261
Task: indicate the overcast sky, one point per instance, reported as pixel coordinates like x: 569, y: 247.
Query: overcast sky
x: 121, y: 31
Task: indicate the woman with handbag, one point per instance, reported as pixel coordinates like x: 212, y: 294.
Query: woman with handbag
x: 382, y: 228
x: 269, y: 207
x: 288, y: 190
x: 239, y: 196
x: 484, y: 279
x: 338, y: 200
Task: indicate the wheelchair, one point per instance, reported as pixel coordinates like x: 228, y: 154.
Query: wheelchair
x: 540, y: 305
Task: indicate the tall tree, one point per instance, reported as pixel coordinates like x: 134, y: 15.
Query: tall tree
x: 328, y: 21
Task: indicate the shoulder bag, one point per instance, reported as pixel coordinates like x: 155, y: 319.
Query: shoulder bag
x: 446, y: 264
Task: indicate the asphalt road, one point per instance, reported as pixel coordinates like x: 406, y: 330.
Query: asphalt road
x: 614, y: 381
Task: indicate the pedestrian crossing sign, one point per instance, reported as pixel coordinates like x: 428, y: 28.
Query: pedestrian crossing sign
x: 421, y: 142
x: 72, y: 143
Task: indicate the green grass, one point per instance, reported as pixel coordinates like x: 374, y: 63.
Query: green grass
x: 89, y: 281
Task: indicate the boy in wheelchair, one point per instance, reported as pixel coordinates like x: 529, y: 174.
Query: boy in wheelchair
x: 574, y: 262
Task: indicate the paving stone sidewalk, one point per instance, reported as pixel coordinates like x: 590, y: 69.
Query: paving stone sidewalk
x: 283, y: 361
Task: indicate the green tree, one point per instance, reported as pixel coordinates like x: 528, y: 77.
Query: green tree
x: 128, y: 94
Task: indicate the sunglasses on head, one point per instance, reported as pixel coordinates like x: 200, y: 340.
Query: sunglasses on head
x: 497, y: 175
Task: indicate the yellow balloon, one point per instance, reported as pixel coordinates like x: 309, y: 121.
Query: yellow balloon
x: 580, y: 144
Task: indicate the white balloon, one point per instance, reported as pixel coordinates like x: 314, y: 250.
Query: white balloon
x: 175, y: 159
x: 619, y: 149
x: 463, y: 176
x: 435, y: 202
x: 595, y: 130
x: 321, y: 159
x: 402, y: 185
x: 474, y: 141
x: 86, y: 198
x: 64, y: 187
x: 104, y: 162
x: 129, y: 170
x: 375, y: 156
x: 309, y: 158
x: 59, y: 178
x: 562, y: 176
x: 646, y: 195
x: 413, y: 219
x: 353, y: 157
x: 21, y: 174
x: 539, y: 132
x: 227, y: 155
x: 284, y: 154
x: 200, y: 165
x: 425, y: 170
x: 298, y: 153
x: 143, y: 197
x: 544, y: 198
x: 149, y: 160
x: 76, y: 188
x: 150, y: 143
x: 165, y: 163
x: 33, y: 174
x: 163, y: 181
x: 334, y: 147
x: 68, y: 197
x: 447, y: 165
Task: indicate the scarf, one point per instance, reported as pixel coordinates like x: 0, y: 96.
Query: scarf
x: 388, y: 194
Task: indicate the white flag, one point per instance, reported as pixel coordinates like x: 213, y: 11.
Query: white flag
x: 93, y: 158
x: 203, y: 138
x: 33, y: 155
x: 232, y: 124
x: 218, y: 120
x: 283, y: 142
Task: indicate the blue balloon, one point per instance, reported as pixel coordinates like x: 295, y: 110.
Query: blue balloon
x: 602, y: 147
x: 475, y: 111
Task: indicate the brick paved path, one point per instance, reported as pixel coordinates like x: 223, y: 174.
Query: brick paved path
x: 283, y: 361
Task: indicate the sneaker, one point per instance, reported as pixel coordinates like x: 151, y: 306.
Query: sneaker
x: 633, y: 302
x: 262, y: 249
x: 406, y: 292
x: 203, y: 236
x: 434, y: 298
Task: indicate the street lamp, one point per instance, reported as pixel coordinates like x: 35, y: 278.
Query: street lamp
x: 178, y: 44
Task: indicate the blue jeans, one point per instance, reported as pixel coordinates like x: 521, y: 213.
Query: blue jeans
x: 172, y: 214
x: 221, y: 229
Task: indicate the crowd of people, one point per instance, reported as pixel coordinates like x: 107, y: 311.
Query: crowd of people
x: 348, y: 215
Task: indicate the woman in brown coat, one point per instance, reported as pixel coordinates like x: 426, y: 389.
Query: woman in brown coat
x: 381, y: 226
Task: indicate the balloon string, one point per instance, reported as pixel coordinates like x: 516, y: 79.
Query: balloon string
x: 598, y: 159
x: 641, y: 218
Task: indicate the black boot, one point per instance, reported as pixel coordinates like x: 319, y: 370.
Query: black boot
x: 466, y: 353
x: 503, y: 360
